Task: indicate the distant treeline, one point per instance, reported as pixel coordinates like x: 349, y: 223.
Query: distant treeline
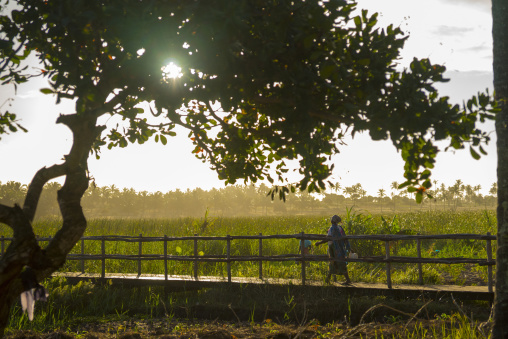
x: 252, y: 200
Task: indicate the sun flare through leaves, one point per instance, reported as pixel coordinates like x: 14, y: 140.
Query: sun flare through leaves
x: 171, y: 71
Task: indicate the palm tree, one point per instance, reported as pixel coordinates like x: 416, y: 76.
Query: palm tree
x: 381, y: 195
x: 444, y: 193
x: 470, y: 194
x: 435, y: 192
x: 395, y: 192
x: 493, y: 189
x: 454, y: 192
x: 351, y: 192
x: 337, y: 187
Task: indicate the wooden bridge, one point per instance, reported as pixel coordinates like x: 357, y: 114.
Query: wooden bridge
x: 179, y: 283
x: 196, y: 281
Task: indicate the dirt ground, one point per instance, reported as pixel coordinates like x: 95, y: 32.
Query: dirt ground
x: 173, y: 328
x: 183, y: 329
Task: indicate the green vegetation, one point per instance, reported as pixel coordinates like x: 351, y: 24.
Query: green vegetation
x: 85, y: 309
x: 428, y: 222
x: 70, y: 307
x: 235, y: 201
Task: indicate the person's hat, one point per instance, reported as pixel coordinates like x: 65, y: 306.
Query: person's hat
x: 336, y: 219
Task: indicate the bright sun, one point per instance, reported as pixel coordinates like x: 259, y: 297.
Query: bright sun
x: 171, y: 71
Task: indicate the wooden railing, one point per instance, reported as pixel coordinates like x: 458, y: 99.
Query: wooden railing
x: 388, y: 259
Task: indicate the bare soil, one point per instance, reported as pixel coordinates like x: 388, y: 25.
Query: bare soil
x: 183, y: 329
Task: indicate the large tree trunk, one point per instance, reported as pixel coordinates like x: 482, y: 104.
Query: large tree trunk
x: 500, y: 37
x: 24, y: 250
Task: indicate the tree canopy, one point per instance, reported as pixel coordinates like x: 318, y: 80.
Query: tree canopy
x: 262, y: 83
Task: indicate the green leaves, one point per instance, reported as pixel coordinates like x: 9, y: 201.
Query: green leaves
x: 474, y: 154
x: 47, y: 91
x: 262, y: 82
x: 9, y: 123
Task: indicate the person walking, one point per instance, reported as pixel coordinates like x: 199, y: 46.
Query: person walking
x: 337, y: 250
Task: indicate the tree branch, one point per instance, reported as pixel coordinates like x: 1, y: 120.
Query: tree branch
x: 5, y: 214
x: 74, y: 221
x: 35, y: 188
x: 85, y: 133
x: 22, y: 248
x: 7, y: 60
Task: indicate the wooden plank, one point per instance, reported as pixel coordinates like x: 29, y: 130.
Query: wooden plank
x: 181, y: 282
x: 195, y: 256
x: 380, y: 237
x: 83, y: 254
x: 489, y: 268
x: 260, y: 255
x: 103, y: 260
x: 419, y: 253
x: 165, y: 258
x: 302, y: 253
x: 388, y: 265
x: 140, y: 252
x: 228, y: 253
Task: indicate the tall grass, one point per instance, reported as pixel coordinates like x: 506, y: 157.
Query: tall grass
x: 71, y: 306
x: 81, y: 308
x: 428, y: 222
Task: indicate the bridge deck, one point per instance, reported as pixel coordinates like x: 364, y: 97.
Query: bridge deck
x: 186, y: 283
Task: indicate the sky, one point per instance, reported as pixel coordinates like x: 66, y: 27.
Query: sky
x: 455, y: 33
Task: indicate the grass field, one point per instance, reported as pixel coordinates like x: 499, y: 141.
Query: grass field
x: 437, y: 222
x: 70, y: 306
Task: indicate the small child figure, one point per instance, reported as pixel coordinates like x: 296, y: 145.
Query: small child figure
x: 307, y: 247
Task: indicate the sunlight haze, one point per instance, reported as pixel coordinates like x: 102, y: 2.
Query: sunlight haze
x: 454, y: 33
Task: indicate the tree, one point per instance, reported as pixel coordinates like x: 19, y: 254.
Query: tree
x: 260, y: 83
x: 493, y: 189
x: 470, y: 193
x: 395, y: 190
x: 435, y: 191
x: 352, y: 192
x: 456, y: 191
x: 12, y: 192
x: 500, y: 66
x: 381, y: 194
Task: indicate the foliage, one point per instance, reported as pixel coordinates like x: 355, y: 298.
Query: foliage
x: 71, y: 306
x: 9, y: 123
x: 262, y: 84
x: 237, y: 200
x: 258, y: 81
x: 106, y: 312
x: 445, y: 222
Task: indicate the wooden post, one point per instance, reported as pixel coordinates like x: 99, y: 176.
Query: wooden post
x: 419, y: 253
x: 165, y: 257
x: 302, y: 253
x: 261, y: 255
x: 388, y: 265
x: 489, y: 267
x: 103, y: 256
x: 140, y: 251
x: 196, y: 257
x: 228, y: 254
x: 82, y: 255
